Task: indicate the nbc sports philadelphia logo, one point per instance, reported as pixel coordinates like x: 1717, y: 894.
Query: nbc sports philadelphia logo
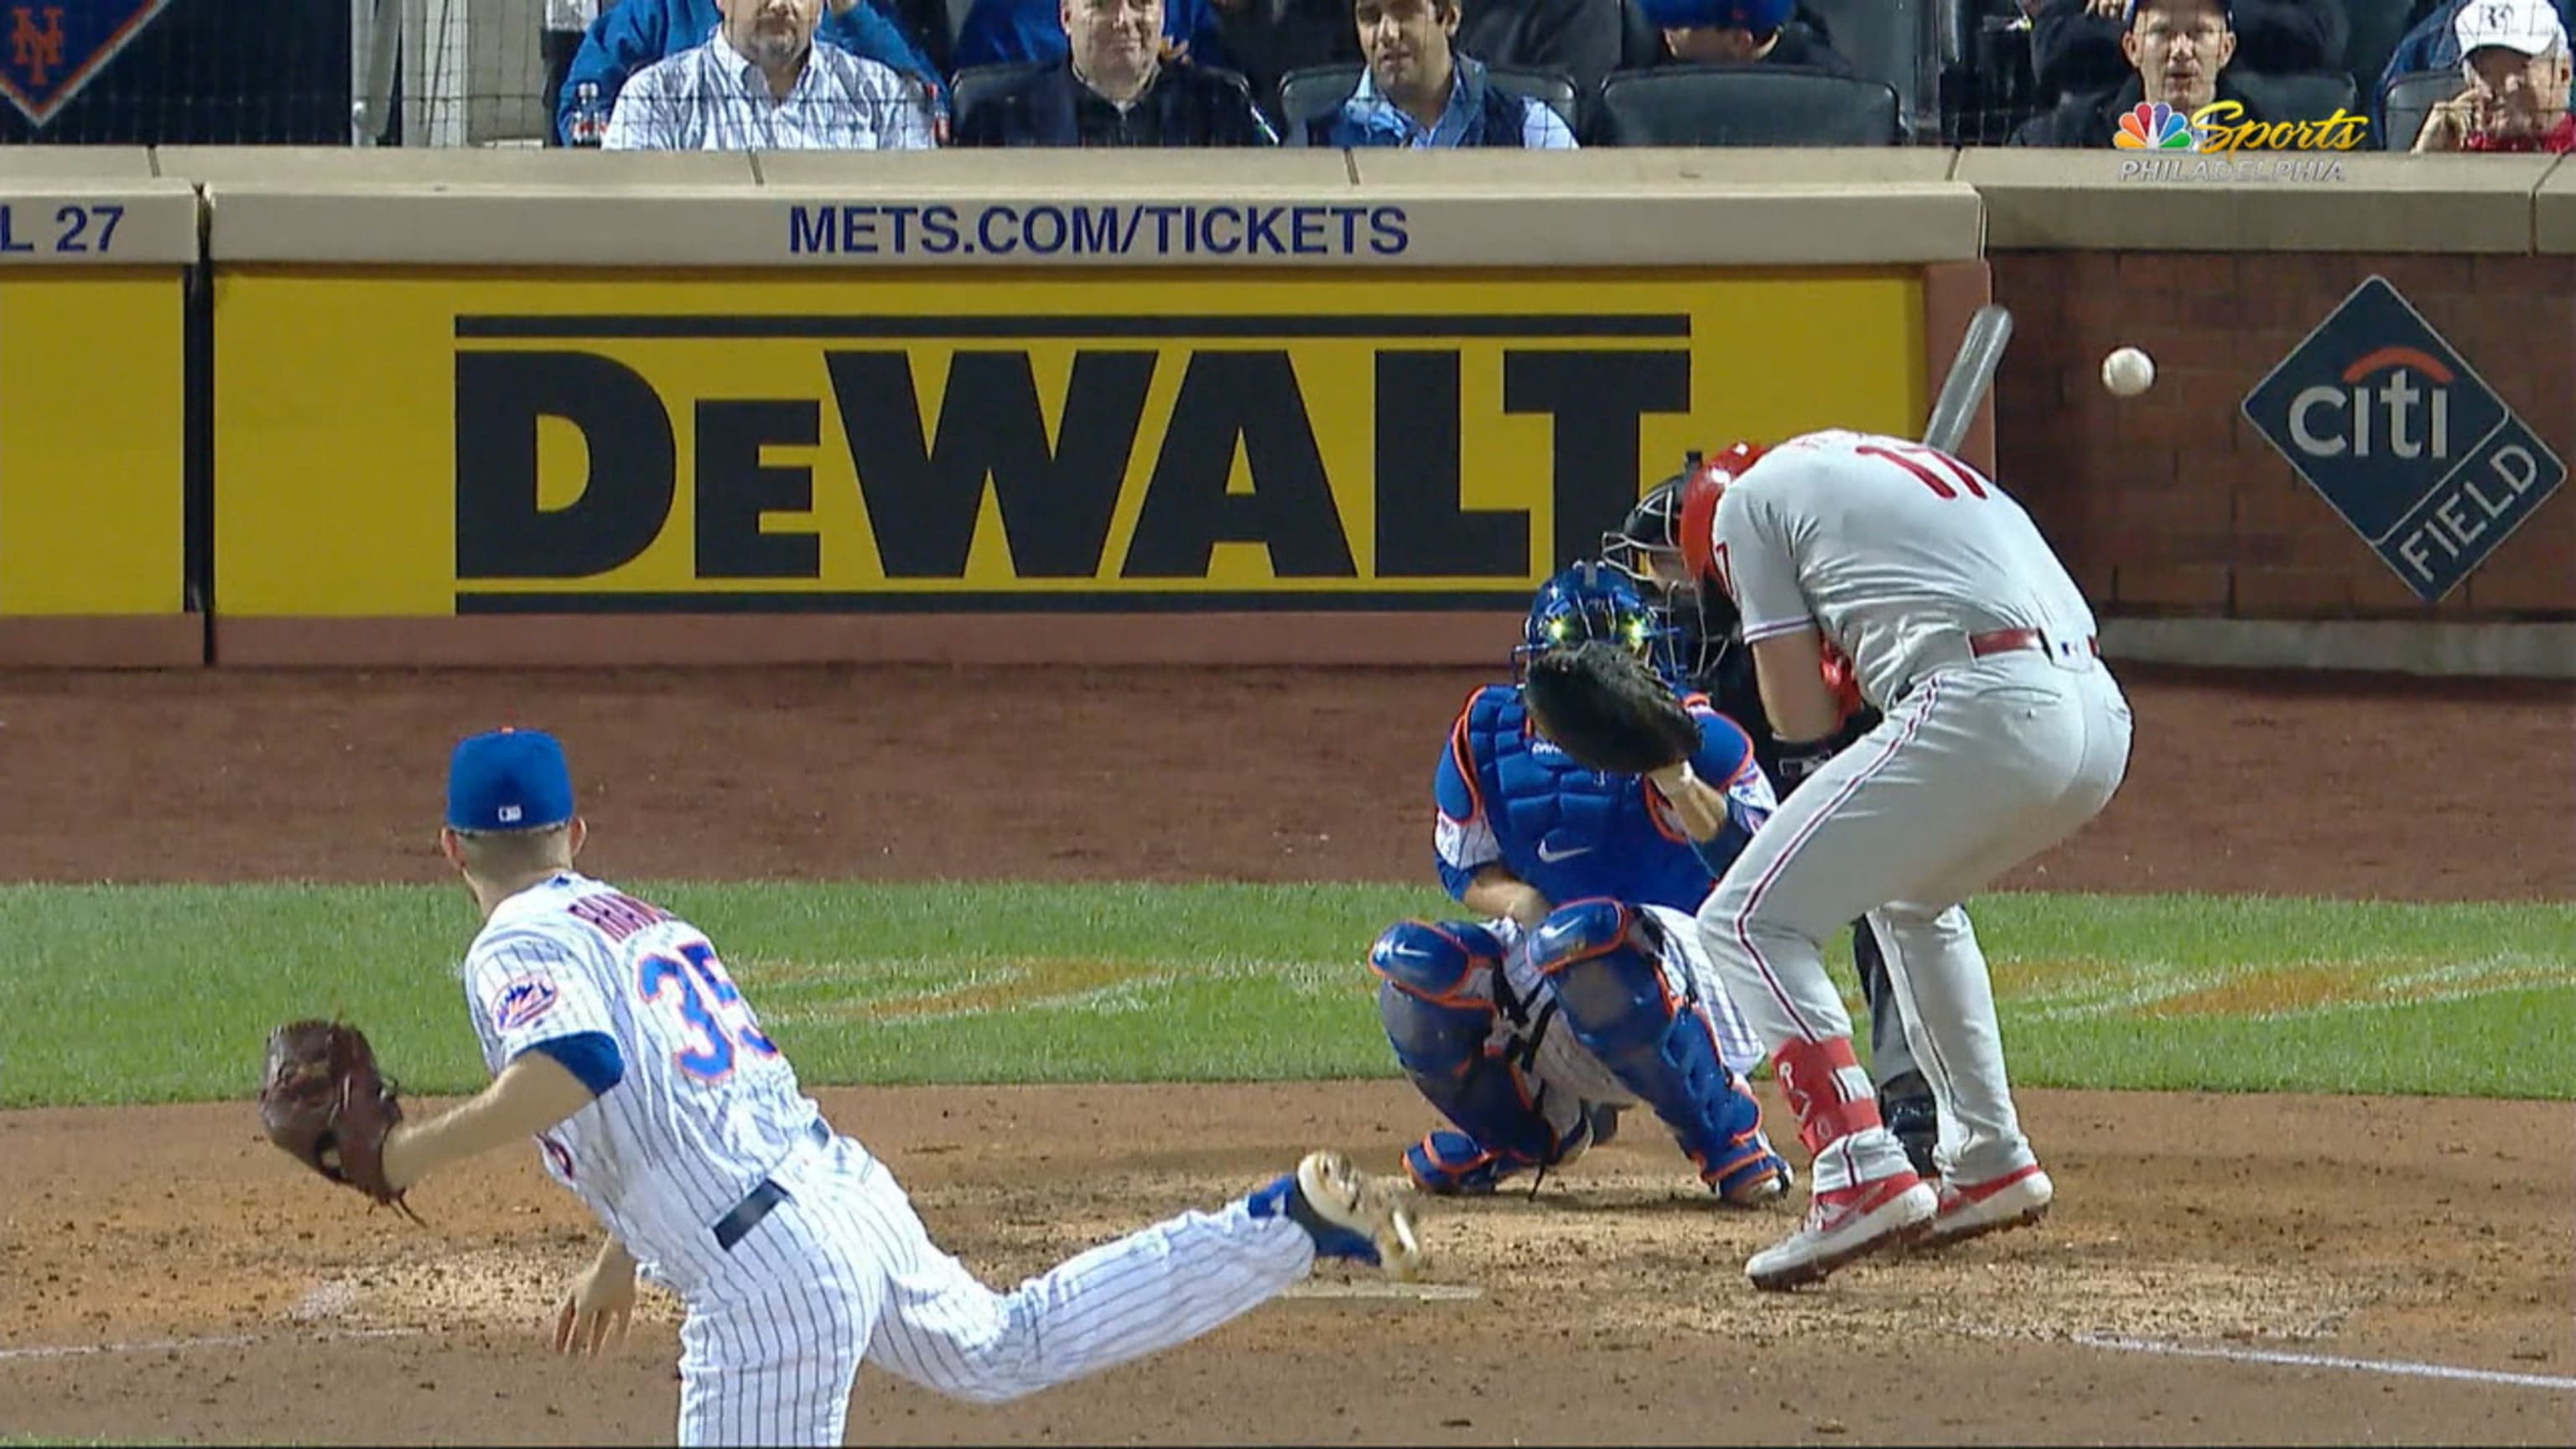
x: 2217, y: 143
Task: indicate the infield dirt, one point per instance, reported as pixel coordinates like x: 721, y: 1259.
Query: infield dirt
x: 165, y: 1275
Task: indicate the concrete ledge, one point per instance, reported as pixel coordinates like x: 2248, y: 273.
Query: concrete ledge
x: 2077, y: 200
x: 167, y: 641
x: 299, y: 168
x: 2529, y: 651
x: 82, y: 163
x: 2553, y: 210
x: 1010, y: 639
x: 1072, y: 175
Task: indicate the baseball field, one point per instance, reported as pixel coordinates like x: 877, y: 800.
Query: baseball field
x: 1075, y: 948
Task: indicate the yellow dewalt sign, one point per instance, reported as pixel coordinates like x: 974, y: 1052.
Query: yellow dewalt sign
x: 93, y: 443
x: 425, y: 446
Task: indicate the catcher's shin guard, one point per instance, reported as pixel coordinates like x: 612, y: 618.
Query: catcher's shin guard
x: 1440, y: 1026
x: 1604, y: 963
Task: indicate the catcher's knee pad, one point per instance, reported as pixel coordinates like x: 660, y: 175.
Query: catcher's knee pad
x: 1604, y: 964
x: 1442, y: 1034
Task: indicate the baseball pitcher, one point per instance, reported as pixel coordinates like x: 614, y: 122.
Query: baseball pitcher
x: 1580, y: 990
x: 1704, y: 630
x: 620, y: 1043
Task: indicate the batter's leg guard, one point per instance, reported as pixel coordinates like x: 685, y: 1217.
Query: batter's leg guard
x: 1604, y: 964
x: 1435, y: 1003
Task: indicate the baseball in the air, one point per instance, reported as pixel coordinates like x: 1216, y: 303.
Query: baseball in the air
x: 2128, y: 372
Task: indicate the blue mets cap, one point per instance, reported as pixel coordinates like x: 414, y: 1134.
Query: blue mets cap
x: 1759, y: 16
x: 508, y: 779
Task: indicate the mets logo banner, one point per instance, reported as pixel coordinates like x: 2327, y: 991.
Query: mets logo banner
x: 56, y: 47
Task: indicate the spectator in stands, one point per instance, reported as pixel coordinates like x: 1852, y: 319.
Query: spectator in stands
x: 2078, y: 46
x: 1418, y: 92
x: 2178, y: 52
x: 2434, y: 44
x: 1119, y: 85
x: 765, y: 82
x: 632, y: 34
x: 1269, y: 38
x: 2515, y: 53
x: 1740, y: 32
x: 1006, y: 32
x: 566, y: 20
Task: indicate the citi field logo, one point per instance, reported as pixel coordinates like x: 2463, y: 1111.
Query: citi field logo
x: 2155, y: 127
x: 2397, y: 419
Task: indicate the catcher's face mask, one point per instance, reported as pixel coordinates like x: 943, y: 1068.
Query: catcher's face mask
x: 1591, y: 601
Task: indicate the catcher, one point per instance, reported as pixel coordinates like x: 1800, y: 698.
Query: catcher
x: 621, y: 1044
x: 1708, y: 646
x: 1581, y: 989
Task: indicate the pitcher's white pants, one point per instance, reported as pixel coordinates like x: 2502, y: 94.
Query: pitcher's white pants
x: 845, y: 1270
x: 1978, y: 768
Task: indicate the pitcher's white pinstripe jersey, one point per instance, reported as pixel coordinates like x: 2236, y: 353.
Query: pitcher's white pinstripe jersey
x: 707, y: 1108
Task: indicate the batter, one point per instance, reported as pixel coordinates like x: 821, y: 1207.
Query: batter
x: 2003, y: 733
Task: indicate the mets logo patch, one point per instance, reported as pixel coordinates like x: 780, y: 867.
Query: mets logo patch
x: 523, y: 1001
x: 50, y: 49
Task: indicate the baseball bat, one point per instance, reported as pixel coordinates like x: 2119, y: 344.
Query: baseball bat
x: 1972, y: 373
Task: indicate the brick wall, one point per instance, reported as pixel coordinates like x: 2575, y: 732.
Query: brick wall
x: 2171, y: 503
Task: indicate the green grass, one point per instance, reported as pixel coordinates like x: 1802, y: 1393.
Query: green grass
x: 163, y: 993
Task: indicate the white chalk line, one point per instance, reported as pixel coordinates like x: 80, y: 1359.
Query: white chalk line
x: 181, y: 1345
x: 2407, y: 1368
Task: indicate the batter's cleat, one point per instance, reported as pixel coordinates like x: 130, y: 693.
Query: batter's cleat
x: 1355, y: 1215
x: 1845, y: 1224
x: 1916, y: 1121
x: 2014, y: 1200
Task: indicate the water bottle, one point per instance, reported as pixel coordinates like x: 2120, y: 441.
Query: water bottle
x: 588, y: 125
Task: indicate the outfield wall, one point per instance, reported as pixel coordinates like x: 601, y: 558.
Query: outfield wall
x: 392, y: 406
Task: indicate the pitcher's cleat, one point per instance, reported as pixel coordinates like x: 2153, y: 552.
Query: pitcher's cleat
x: 1845, y: 1224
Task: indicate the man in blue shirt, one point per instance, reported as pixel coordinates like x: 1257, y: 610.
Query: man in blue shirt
x: 632, y: 34
x: 1419, y: 92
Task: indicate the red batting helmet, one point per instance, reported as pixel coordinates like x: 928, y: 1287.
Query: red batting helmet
x: 1701, y: 489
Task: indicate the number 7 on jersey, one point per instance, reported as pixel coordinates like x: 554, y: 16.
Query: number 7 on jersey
x: 1944, y: 475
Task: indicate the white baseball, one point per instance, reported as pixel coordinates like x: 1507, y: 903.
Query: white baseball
x: 2128, y: 372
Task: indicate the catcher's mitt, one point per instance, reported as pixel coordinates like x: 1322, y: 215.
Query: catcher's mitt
x: 325, y: 1103
x: 1605, y: 707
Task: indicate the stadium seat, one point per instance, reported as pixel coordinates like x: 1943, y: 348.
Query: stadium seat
x: 1883, y: 39
x: 1314, y: 92
x: 1736, y: 105
x: 2411, y: 98
x: 2311, y: 96
x: 2377, y: 26
x: 1640, y: 43
x: 977, y: 85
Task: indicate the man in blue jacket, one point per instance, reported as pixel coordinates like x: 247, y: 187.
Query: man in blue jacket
x: 632, y: 34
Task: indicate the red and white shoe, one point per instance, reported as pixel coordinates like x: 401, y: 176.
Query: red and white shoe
x: 1845, y: 1224
x: 1972, y: 1210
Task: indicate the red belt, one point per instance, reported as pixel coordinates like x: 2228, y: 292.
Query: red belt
x: 2004, y: 641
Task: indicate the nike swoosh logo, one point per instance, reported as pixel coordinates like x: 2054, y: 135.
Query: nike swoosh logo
x: 1552, y: 857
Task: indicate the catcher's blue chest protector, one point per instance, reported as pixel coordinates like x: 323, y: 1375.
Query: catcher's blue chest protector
x: 1571, y: 832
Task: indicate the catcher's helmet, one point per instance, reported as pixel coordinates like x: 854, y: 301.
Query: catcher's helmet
x: 1646, y: 548
x: 1588, y: 600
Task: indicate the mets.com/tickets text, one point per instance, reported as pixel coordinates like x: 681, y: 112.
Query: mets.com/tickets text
x: 1129, y: 229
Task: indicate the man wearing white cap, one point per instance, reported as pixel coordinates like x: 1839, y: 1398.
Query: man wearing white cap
x: 2514, y: 53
